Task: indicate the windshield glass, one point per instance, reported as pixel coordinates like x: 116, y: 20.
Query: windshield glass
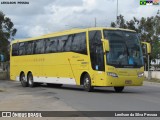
x: 125, y: 49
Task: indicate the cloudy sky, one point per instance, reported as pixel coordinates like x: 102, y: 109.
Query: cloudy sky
x: 45, y: 16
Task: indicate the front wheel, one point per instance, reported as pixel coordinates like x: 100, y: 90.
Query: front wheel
x: 118, y: 89
x: 87, y: 83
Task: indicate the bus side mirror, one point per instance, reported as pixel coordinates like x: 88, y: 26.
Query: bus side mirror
x: 106, y: 45
x: 146, y: 47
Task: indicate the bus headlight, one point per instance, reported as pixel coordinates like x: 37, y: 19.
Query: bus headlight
x: 141, y: 74
x: 112, y: 74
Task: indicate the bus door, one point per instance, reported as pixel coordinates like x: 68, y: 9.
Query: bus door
x: 97, y: 57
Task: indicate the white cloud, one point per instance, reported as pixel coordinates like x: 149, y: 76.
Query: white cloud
x: 91, y: 4
x: 45, y: 16
x: 132, y: 8
x: 37, y: 30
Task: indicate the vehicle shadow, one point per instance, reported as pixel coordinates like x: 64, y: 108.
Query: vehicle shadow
x: 80, y: 89
x: 127, y: 90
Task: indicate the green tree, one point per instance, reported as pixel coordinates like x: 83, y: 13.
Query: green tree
x: 120, y: 23
x: 113, y: 24
x: 7, y: 32
x: 155, y: 37
x: 132, y: 24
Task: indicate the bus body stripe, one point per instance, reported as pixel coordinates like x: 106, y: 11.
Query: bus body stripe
x: 60, y: 80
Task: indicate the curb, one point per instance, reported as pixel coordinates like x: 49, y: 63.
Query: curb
x: 151, y: 83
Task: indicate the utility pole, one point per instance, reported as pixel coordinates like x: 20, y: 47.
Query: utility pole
x: 149, y: 72
x: 95, y: 22
x: 117, y: 13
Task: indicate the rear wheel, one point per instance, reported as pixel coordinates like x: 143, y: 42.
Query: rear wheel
x: 23, y: 80
x: 87, y: 83
x: 30, y: 80
x: 118, y: 89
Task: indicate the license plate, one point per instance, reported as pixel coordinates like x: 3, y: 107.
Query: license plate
x: 128, y: 82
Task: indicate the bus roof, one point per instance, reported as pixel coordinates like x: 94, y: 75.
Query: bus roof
x: 70, y: 31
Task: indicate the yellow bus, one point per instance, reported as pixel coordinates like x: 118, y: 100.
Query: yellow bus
x: 91, y: 57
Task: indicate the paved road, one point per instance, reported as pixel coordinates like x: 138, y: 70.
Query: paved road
x: 142, y: 98
x: 15, y: 97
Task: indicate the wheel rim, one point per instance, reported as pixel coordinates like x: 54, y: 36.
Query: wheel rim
x: 30, y: 81
x: 23, y: 79
x: 86, y: 83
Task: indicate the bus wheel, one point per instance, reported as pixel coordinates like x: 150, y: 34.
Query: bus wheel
x: 87, y: 83
x: 30, y: 80
x: 118, y: 89
x: 23, y: 80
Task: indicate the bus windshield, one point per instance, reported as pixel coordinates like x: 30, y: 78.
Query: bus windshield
x: 125, y: 49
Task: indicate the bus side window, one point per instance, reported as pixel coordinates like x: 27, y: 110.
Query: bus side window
x: 51, y: 45
x: 22, y: 48
x: 68, y: 43
x: 48, y: 46
x: 79, y: 43
x: 29, y: 46
x: 39, y: 46
x: 15, y: 47
x: 61, y: 43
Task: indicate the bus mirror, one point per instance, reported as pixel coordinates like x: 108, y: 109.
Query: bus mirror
x: 146, y: 47
x: 106, y: 45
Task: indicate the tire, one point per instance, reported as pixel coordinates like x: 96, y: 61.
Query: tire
x: 118, y: 89
x: 23, y: 80
x: 30, y: 80
x: 54, y: 85
x: 87, y: 83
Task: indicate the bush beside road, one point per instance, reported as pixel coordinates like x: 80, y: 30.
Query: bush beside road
x: 4, y: 70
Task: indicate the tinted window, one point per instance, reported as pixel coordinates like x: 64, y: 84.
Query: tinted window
x: 68, y: 43
x: 39, y: 46
x: 79, y: 43
x: 61, y: 42
x: 15, y: 49
x: 96, y: 50
x: 51, y: 45
x: 22, y: 48
x: 29, y: 46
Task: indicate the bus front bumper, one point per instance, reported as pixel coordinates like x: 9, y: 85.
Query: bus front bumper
x: 124, y: 81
